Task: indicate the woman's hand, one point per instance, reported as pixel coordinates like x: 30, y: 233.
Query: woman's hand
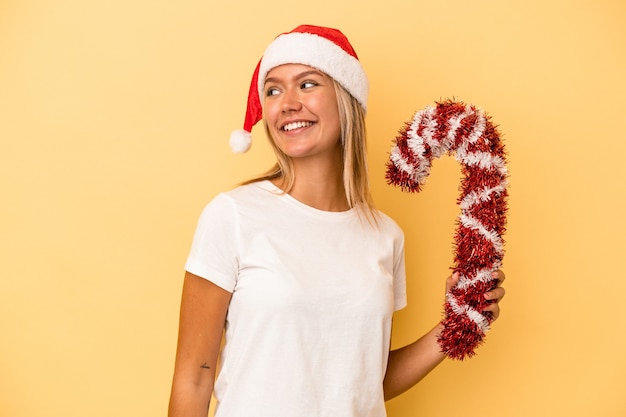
x: 409, y: 364
x: 494, y: 296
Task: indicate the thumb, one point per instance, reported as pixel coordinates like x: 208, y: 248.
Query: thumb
x: 452, y: 281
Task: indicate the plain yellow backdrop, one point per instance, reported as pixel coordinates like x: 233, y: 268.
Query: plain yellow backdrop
x: 114, y: 125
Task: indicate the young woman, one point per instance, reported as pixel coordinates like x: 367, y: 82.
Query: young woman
x: 296, y: 272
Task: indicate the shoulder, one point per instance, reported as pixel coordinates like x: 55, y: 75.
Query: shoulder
x: 252, y: 196
x: 260, y: 189
x: 382, y: 227
x: 226, y: 210
x: 388, y: 224
x: 243, y: 194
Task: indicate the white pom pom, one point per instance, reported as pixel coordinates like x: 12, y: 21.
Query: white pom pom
x: 240, y: 141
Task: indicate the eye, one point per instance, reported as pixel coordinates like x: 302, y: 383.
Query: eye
x: 308, y: 84
x: 271, y: 91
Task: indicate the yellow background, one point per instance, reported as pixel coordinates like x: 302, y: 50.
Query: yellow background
x: 114, y: 123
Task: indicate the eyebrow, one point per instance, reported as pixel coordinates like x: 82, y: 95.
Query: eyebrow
x: 297, y: 77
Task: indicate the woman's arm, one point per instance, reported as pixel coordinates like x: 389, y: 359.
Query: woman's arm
x: 409, y: 364
x: 202, y: 317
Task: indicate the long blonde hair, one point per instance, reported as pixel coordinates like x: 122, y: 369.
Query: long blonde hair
x: 354, y: 146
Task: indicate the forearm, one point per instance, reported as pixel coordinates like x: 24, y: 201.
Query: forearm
x: 408, y: 365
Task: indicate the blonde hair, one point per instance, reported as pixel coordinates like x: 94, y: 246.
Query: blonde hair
x: 354, y: 146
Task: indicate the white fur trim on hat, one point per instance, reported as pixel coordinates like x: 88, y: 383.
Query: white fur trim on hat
x: 317, y: 52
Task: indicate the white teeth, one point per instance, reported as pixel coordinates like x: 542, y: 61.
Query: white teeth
x: 296, y: 125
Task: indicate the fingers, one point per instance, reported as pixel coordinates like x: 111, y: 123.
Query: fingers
x: 494, y: 309
x: 495, y: 295
x: 499, y: 275
x: 452, y: 281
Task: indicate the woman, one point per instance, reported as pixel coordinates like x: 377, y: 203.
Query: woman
x: 297, y: 269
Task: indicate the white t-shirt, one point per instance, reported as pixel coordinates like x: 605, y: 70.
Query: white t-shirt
x: 309, y: 323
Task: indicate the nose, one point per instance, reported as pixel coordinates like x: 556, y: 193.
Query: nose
x: 291, y: 101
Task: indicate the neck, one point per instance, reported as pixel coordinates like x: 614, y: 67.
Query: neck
x: 319, y: 185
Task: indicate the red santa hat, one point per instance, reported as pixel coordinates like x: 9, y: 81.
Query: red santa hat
x: 325, y: 49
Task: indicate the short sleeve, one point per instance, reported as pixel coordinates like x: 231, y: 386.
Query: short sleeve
x: 399, y: 275
x: 214, y: 249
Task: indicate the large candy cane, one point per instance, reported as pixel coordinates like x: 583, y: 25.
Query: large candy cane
x: 467, y: 131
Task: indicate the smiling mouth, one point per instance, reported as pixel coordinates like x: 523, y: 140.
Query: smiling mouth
x: 296, y: 125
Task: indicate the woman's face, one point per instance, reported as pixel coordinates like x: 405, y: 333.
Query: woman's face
x: 300, y: 109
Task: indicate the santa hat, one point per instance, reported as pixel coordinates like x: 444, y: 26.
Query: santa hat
x: 325, y: 49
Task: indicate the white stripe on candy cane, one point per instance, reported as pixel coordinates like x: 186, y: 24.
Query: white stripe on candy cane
x: 416, y: 142
x: 455, y: 123
x: 483, y: 160
x: 470, y: 312
x: 472, y: 223
x: 479, y: 127
x: 478, y: 196
x: 482, y: 275
x: 401, y: 162
x: 427, y: 117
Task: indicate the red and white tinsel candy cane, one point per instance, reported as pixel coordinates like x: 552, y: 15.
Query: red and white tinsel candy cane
x: 466, y: 131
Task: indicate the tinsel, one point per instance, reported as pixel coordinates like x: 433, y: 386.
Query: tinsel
x: 465, y: 131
